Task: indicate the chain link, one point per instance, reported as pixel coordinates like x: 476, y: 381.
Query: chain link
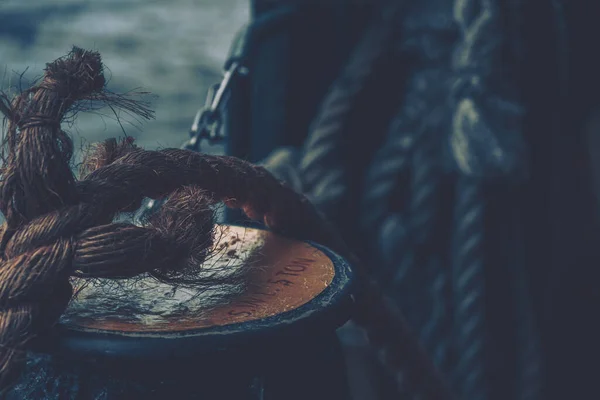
x: 207, y: 125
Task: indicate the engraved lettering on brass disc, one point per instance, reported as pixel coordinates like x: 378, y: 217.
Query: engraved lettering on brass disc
x: 279, y: 275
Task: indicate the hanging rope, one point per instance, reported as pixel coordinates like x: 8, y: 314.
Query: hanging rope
x: 408, y: 159
x: 472, y: 17
x: 324, y: 169
x: 468, y: 291
x: 401, y: 215
x: 401, y: 200
x: 482, y: 99
x: 323, y: 163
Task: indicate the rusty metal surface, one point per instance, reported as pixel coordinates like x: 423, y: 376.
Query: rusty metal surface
x: 279, y: 275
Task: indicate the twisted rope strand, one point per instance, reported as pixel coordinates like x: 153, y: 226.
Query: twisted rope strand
x: 323, y: 166
x: 468, y: 289
x: 481, y: 95
x: 474, y: 19
x: 408, y: 162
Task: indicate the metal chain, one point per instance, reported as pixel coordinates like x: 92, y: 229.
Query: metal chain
x: 208, y: 120
x: 206, y: 125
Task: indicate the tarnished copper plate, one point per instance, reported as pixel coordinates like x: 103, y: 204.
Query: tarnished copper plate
x: 279, y: 275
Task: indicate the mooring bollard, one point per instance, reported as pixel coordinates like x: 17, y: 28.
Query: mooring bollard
x: 272, y: 337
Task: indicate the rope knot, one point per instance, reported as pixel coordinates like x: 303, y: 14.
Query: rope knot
x: 34, y: 121
x: 467, y: 84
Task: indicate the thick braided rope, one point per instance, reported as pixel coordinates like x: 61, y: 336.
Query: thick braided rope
x: 408, y: 166
x: 36, y: 179
x: 467, y: 262
x: 484, y: 96
x: 323, y: 166
x: 478, y: 21
x: 407, y: 158
x: 468, y: 283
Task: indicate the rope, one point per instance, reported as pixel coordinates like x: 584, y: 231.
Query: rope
x: 401, y: 199
x: 436, y: 332
x: 68, y: 229
x: 405, y: 221
x: 482, y: 98
x: 468, y: 280
x: 408, y: 158
x: 468, y: 291
x: 323, y: 163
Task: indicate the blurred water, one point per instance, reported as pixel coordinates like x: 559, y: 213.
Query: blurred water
x: 172, y: 48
